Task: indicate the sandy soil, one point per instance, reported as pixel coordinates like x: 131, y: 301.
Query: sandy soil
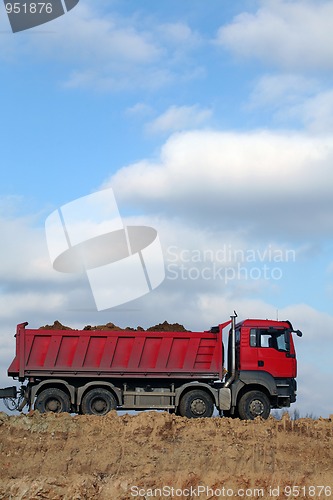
x: 59, y: 456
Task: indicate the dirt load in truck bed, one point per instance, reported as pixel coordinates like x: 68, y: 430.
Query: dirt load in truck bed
x: 59, y: 456
x: 161, y: 327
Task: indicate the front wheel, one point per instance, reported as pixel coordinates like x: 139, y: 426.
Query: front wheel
x: 196, y: 404
x: 53, y: 400
x: 254, y: 404
x: 98, y: 401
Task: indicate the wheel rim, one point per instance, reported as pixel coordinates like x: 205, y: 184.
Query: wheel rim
x: 256, y: 408
x: 198, y: 407
x: 53, y: 405
x: 99, y: 406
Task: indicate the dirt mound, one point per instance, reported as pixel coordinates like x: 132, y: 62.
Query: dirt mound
x: 56, y: 326
x: 167, y: 327
x: 107, y: 326
x: 122, y: 457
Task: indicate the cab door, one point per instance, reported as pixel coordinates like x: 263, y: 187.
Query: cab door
x: 275, y: 352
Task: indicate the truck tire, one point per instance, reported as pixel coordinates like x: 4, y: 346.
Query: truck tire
x: 53, y: 400
x: 98, y: 401
x: 196, y: 404
x: 254, y: 404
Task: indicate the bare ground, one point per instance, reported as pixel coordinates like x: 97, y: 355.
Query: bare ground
x: 59, y: 456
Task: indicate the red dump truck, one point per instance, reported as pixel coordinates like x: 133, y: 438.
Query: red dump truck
x: 95, y: 371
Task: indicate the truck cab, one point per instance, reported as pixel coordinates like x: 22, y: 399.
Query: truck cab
x: 262, y: 367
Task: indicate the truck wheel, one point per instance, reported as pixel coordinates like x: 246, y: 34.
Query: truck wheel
x: 98, y: 402
x: 53, y: 400
x: 254, y: 404
x: 196, y: 404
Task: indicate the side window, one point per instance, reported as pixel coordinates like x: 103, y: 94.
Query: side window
x: 253, y: 337
x: 274, y: 339
x: 237, y: 336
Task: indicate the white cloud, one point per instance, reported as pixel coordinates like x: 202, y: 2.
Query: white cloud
x: 108, y: 80
x: 293, y: 98
x: 102, y: 50
x: 264, y: 182
x: 90, y: 36
x: 178, y: 34
x: 290, y: 35
x: 179, y: 118
x: 317, y: 112
x: 139, y: 109
x: 279, y: 91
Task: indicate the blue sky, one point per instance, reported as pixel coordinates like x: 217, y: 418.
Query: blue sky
x: 212, y: 122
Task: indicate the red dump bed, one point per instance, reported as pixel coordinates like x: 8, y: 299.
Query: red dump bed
x: 99, y: 353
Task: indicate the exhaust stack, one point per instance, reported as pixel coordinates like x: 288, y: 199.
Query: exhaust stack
x: 233, y: 350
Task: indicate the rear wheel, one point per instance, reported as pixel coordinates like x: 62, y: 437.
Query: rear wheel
x: 254, y: 404
x: 53, y: 400
x: 196, y: 404
x: 98, y: 401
